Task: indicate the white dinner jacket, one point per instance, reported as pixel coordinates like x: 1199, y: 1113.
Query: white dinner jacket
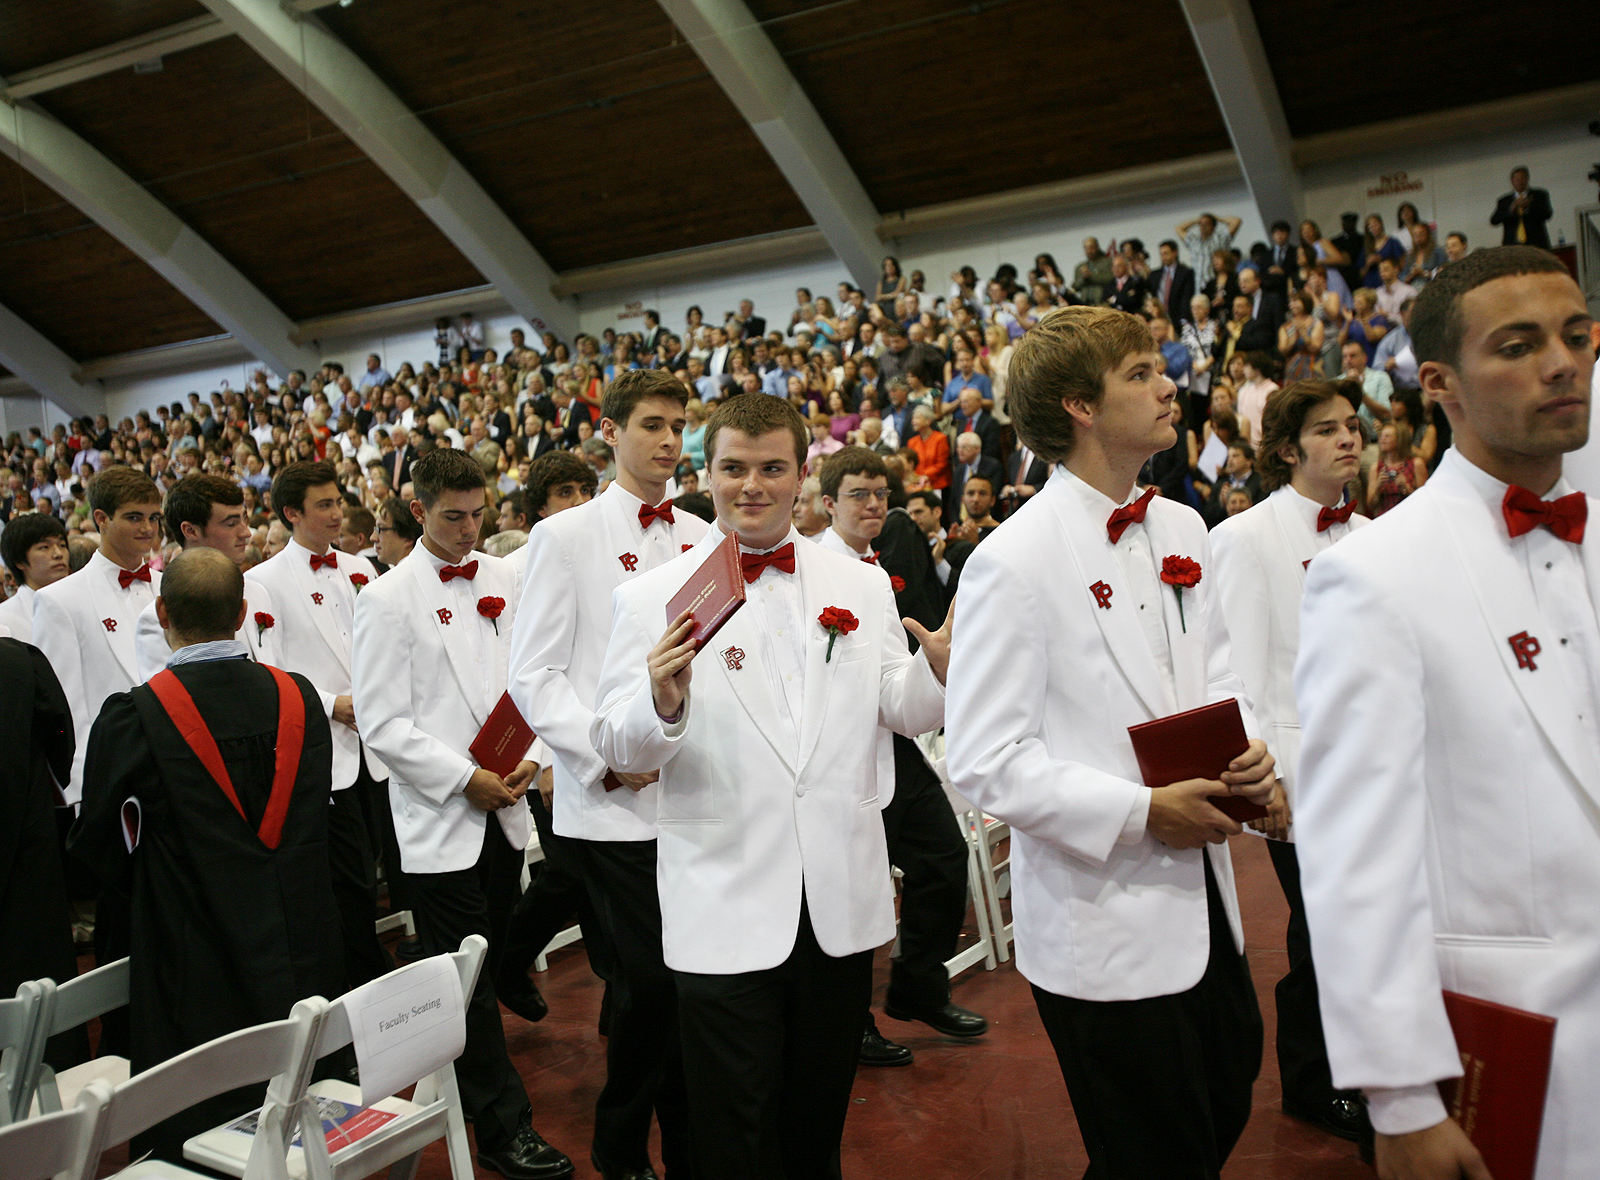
x: 420, y: 699
x: 1260, y: 558
x: 745, y: 830
x: 151, y: 652
x: 1449, y: 827
x: 574, y: 561
x: 1043, y: 687
x: 305, y: 639
x: 16, y: 614
x: 84, y: 624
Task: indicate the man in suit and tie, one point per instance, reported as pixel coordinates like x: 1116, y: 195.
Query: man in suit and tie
x: 1266, y: 307
x: 1174, y: 284
x: 1523, y: 213
x: 34, y: 548
x: 575, y: 559
x: 755, y: 327
x: 570, y: 413
x: 652, y: 333
x: 1280, y: 260
x: 314, y: 588
x: 429, y: 662
x: 1126, y: 920
x: 397, y: 463
x: 968, y: 461
x: 86, y: 623
x: 1310, y: 455
x: 972, y: 418
x: 206, y: 511
x: 1468, y: 856
x: 774, y: 876
x: 1126, y: 291
x: 717, y: 362
x: 1025, y: 475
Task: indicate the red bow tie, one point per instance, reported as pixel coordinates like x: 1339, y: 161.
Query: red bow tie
x: 329, y: 559
x: 1565, y: 517
x: 648, y: 515
x: 126, y: 578
x: 780, y: 559
x: 1128, y: 514
x: 467, y: 571
x: 1329, y: 517
x: 870, y: 557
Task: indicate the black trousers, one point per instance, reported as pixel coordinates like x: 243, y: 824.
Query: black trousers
x: 351, y: 849
x: 1302, y: 1051
x: 387, y: 845
x: 447, y: 908
x: 1161, y: 1086
x: 770, y: 1057
x: 644, y: 1055
x: 552, y: 899
x: 925, y: 844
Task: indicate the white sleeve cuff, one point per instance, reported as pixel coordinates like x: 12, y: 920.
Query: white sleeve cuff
x: 943, y: 570
x: 1405, y: 1109
x: 1138, y: 816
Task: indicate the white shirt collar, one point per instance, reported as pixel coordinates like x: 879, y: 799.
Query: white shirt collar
x: 216, y: 649
x: 1491, y: 489
x: 1303, y: 506
x: 307, y: 554
x: 1094, y: 501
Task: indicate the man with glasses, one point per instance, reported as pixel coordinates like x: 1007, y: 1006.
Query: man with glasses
x: 925, y: 842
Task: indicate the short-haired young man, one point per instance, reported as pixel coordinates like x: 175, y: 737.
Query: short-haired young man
x: 432, y: 641
x: 925, y: 841
x: 85, y: 623
x: 396, y: 531
x: 1126, y: 922
x: 1467, y: 855
x: 557, y: 480
x: 314, y: 588
x: 575, y: 559
x: 206, y: 512
x: 34, y: 548
x: 355, y: 535
x: 774, y: 878
x: 1310, y: 454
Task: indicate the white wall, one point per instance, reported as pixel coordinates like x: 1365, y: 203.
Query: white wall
x: 1460, y: 182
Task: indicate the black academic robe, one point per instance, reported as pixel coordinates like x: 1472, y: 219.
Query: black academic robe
x: 35, y: 926
x: 223, y: 932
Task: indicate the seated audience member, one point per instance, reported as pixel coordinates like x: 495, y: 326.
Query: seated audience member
x: 1376, y: 387
x: 1238, y: 474
x: 395, y: 532
x: 977, y: 510
x: 1398, y: 471
x: 930, y: 448
x: 822, y: 441
x: 228, y: 880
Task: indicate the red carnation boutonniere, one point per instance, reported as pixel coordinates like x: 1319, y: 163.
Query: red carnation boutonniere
x: 358, y: 581
x: 1180, y: 573
x: 264, y: 623
x: 897, y: 583
x: 839, y: 622
x: 490, y: 609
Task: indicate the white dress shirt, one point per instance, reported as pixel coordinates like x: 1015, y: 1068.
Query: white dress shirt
x: 775, y: 596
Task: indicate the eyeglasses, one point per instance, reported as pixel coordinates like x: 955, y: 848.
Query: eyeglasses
x: 861, y: 495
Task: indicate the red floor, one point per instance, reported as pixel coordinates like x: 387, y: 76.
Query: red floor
x: 991, y: 1108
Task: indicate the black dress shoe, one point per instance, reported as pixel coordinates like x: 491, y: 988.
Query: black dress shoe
x: 527, y: 1157
x: 518, y: 993
x: 644, y: 1173
x: 1342, y: 1116
x: 951, y: 1020
x: 875, y: 1050
x: 408, y: 950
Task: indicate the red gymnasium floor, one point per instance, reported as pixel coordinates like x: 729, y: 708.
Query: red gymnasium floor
x: 991, y: 1108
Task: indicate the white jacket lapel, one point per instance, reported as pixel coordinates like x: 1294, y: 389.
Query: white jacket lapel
x: 1509, y: 609
x: 434, y: 599
x: 120, y: 641
x: 306, y: 585
x: 815, y: 592
x: 735, y: 655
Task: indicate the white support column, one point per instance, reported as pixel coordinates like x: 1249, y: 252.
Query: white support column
x: 1230, y: 46
x: 344, y: 88
x: 125, y: 210
x: 46, y: 369
x: 742, y: 59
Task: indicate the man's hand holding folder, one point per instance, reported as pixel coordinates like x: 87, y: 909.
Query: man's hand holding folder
x: 1206, y: 775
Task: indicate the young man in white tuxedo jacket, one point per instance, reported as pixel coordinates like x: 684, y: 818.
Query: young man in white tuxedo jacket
x: 1126, y: 922
x: 85, y: 624
x: 34, y: 548
x: 313, y: 587
x: 206, y: 512
x: 574, y: 561
x: 772, y: 871
x: 925, y: 841
x: 557, y: 480
x: 1310, y: 451
x: 429, y: 664
x: 1449, y: 821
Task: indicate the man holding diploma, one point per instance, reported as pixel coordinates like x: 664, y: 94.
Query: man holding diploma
x: 429, y: 663
x: 774, y: 768
x: 1126, y: 921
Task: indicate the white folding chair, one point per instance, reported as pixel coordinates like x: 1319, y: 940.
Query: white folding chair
x: 996, y: 878
x: 533, y: 855
x: 68, y: 1005
x: 53, y: 1145
x: 399, y: 920
x: 434, y: 1112
x: 266, y: 1052
x: 21, y: 1046
x: 984, y: 949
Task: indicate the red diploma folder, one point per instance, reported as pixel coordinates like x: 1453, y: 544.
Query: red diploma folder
x: 713, y: 592
x: 504, y: 739
x: 1499, y: 1099
x: 1198, y: 743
